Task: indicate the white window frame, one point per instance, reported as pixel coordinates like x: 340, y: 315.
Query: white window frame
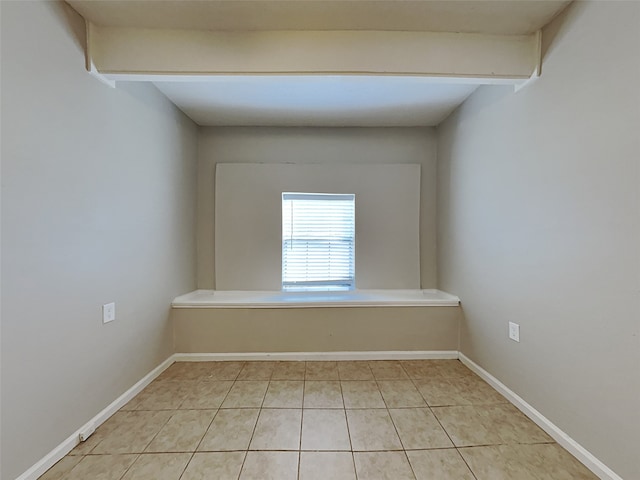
x: 304, y: 266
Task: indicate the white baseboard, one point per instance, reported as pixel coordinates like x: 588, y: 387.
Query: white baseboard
x: 69, y: 444
x: 309, y: 356
x: 574, y: 448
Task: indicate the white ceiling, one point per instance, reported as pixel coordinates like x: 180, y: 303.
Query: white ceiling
x: 321, y: 100
x: 363, y: 101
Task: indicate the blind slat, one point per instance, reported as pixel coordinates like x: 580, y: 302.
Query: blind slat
x: 318, y: 244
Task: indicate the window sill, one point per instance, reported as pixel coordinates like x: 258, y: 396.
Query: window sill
x: 277, y: 299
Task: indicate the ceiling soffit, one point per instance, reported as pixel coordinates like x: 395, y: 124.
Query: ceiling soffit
x: 448, y: 43
x: 514, y: 17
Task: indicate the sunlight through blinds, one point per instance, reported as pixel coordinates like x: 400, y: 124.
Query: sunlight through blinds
x: 318, y: 241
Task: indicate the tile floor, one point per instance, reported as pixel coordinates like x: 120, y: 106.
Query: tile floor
x: 396, y: 420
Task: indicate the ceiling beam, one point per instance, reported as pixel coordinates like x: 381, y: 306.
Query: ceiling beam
x: 143, y: 54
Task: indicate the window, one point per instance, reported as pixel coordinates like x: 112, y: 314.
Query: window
x: 318, y: 241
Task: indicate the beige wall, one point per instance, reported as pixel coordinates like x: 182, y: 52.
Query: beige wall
x: 316, y: 145
x: 98, y: 202
x: 218, y: 330
x: 539, y: 224
x: 248, y: 221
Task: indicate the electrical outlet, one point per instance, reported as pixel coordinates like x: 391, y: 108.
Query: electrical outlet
x: 514, y: 331
x: 108, y: 312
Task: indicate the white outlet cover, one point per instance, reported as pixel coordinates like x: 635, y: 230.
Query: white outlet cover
x: 514, y: 331
x: 108, y: 312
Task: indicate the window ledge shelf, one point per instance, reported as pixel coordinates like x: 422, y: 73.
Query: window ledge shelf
x: 277, y: 299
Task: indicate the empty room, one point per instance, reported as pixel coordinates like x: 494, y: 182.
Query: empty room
x: 320, y: 239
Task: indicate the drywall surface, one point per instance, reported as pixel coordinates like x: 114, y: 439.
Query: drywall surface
x: 248, y: 221
x: 233, y: 330
x: 98, y: 206
x: 539, y: 224
x: 323, y: 146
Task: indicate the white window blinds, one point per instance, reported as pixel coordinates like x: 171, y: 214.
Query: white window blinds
x: 318, y: 241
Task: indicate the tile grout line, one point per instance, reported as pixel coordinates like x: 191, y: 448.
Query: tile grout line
x: 256, y: 424
x: 244, y: 459
x: 138, y: 455
x: 193, y: 454
x: 353, y: 453
x: 404, y: 450
x: 443, y: 429
x: 304, y: 384
x: 346, y: 420
x: 386, y: 407
x: 457, y: 448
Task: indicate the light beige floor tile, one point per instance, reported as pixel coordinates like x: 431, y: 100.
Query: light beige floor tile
x: 133, y: 403
x: 372, y: 430
x: 382, y: 466
x: 284, y: 394
x: 322, y: 394
x: 488, y: 425
x: 288, y: 371
x: 419, y: 429
x: 246, y: 394
x: 116, y: 420
x: 388, y: 370
x: 466, y: 425
x: 183, y: 431
x: 135, y: 433
x: 194, y: 371
x: 321, y: 371
x: 206, y: 395
x: 277, y: 429
x: 185, y: 371
x: 101, y: 467
x: 231, y: 429
x: 400, y: 393
x: 512, y: 425
x: 439, y: 465
x: 327, y: 466
x: 60, y: 469
x: 417, y: 368
x: 180, y: 382
x: 158, y: 466
x: 223, y: 370
x: 469, y: 390
x: 325, y: 430
x: 362, y: 394
x: 354, y: 371
x: 452, y: 368
x: 200, y: 370
x: 163, y: 395
x: 436, y: 369
x: 214, y: 466
x: 175, y: 370
x: 525, y: 462
x: 270, y: 466
x: 257, y: 371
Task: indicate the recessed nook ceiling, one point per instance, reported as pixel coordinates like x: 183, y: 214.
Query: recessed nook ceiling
x: 316, y: 62
x: 363, y: 101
